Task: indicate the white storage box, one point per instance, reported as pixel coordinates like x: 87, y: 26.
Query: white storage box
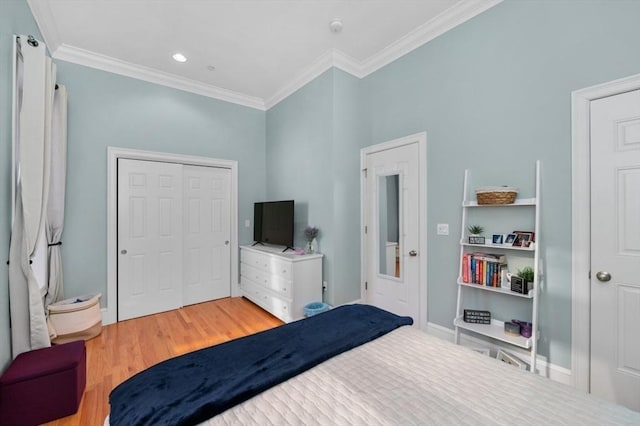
x: 78, y: 318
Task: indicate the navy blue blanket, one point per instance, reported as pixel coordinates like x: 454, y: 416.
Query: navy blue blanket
x: 194, y: 387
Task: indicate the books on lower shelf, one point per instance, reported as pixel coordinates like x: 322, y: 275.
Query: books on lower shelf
x: 483, y: 268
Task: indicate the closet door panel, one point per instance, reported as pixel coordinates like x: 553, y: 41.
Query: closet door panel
x: 149, y: 237
x: 207, y: 234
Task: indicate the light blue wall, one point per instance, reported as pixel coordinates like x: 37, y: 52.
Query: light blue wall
x: 494, y: 94
x: 106, y: 109
x: 313, y: 142
x: 299, y: 152
x: 350, y: 134
x: 15, y: 18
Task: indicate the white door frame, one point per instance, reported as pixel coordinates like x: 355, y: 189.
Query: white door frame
x: 581, y: 224
x: 421, y: 140
x: 113, y: 154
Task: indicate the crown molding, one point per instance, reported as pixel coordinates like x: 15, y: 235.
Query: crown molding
x: 447, y: 20
x: 117, y: 66
x: 44, y: 20
x: 450, y: 18
x: 329, y: 59
x: 347, y: 64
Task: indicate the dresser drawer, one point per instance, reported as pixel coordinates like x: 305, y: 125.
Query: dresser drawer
x: 279, y: 284
x: 254, y: 259
x: 280, y: 308
x: 251, y: 291
x: 266, y: 263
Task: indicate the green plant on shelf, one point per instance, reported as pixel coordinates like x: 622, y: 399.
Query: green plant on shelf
x: 526, y: 274
x: 475, y: 229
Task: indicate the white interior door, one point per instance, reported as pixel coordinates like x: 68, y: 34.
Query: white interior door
x: 392, y: 236
x: 615, y: 248
x: 207, y: 232
x: 149, y: 237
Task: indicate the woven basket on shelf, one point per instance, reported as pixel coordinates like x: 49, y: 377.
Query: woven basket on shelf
x: 496, y: 195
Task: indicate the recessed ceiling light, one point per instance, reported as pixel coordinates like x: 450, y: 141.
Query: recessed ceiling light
x: 179, y: 57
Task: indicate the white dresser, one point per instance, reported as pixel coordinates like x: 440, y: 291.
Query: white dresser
x: 280, y: 283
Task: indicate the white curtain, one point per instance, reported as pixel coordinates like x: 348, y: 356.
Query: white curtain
x: 55, y: 205
x: 32, y: 163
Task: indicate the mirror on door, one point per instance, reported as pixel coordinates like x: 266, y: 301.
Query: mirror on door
x: 389, y: 225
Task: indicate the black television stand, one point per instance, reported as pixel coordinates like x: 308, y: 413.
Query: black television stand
x: 257, y: 242
x: 287, y: 248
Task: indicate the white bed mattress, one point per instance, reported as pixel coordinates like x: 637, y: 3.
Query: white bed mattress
x: 409, y: 377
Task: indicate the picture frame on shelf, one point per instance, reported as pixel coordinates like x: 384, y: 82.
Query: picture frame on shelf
x: 509, y: 239
x: 532, y: 235
x: 476, y: 239
x: 497, y: 239
x: 519, y: 285
x: 522, y: 240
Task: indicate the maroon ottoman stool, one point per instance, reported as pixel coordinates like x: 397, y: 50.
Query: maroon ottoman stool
x: 43, y: 385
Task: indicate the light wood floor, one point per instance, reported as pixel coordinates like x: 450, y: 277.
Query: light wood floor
x: 128, y: 347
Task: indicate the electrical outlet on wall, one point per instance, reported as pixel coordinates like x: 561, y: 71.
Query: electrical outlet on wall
x: 247, y: 223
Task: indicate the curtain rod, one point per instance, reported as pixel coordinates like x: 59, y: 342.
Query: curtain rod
x: 31, y: 41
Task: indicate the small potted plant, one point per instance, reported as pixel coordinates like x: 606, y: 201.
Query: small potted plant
x: 310, y: 233
x: 475, y: 236
x: 527, y: 274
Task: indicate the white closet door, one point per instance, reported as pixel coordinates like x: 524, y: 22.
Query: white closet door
x: 149, y: 237
x: 207, y: 220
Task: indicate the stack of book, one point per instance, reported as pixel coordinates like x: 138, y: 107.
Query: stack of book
x: 483, y: 268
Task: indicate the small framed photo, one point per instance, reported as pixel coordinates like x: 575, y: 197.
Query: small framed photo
x: 476, y: 239
x: 518, y: 284
x: 532, y: 235
x: 522, y: 240
x: 497, y: 239
x: 509, y: 239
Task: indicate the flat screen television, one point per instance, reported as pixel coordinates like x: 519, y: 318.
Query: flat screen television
x: 273, y: 223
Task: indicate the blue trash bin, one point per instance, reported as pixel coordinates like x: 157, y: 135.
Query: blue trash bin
x: 314, y: 308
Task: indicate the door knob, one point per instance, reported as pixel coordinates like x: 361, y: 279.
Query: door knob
x: 226, y: 243
x: 413, y: 253
x: 603, y: 276
x: 123, y: 252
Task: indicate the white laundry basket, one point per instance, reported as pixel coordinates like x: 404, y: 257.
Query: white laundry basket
x: 78, y: 318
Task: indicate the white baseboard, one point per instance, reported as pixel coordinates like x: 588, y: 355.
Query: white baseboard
x: 106, y: 317
x: 545, y: 369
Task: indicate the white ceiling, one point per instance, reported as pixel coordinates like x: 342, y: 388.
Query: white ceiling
x: 262, y: 50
